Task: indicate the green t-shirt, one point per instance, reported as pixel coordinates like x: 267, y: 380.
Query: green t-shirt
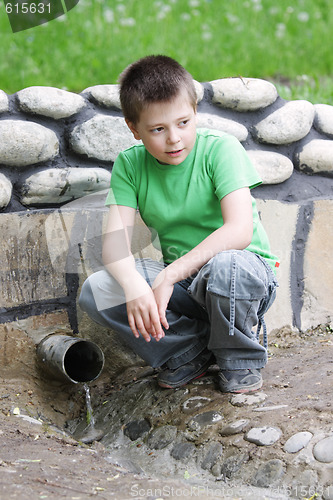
x: 181, y: 203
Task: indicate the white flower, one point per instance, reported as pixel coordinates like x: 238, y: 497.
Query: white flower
x: 280, y: 30
x: 206, y: 35
x: 303, y: 17
x: 127, y: 21
x: 185, y: 16
x: 108, y: 15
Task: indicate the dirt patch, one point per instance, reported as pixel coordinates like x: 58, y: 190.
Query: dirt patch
x: 39, y: 460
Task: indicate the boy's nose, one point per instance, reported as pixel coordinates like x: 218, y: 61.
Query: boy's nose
x: 173, y: 136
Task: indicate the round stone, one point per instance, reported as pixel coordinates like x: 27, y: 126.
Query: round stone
x: 49, y: 101
x: 287, y: 124
x: 6, y: 189
x: 105, y: 95
x: 235, y: 427
x: 136, y: 429
x: 243, y: 94
x: 272, y: 167
x: 204, y: 420
x: 26, y: 143
x: 315, y: 157
x: 263, y: 436
x: 323, y: 450
x: 199, y: 90
x: 183, y: 451
x: 298, y: 441
x: 162, y: 436
x: 102, y: 137
x: 323, y: 120
x: 59, y: 185
x: 4, y: 105
x: 208, y: 120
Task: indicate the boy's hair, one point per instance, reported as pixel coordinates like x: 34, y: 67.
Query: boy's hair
x: 153, y: 79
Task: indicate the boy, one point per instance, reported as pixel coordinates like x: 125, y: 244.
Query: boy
x: 192, y: 188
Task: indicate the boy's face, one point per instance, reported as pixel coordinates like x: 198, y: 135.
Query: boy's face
x: 167, y: 129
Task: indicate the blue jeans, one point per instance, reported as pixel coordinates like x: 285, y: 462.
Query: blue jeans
x: 215, y: 309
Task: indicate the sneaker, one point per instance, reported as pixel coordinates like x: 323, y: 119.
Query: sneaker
x: 171, y: 379
x: 239, y: 380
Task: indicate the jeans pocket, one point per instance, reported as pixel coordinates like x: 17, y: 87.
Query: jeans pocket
x: 238, y: 273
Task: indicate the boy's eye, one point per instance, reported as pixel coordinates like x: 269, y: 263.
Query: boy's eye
x: 184, y: 122
x: 157, y: 129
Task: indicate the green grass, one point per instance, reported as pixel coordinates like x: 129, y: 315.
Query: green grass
x: 287, y: 42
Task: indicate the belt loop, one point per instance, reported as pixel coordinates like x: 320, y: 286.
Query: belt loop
x: 232, y: 295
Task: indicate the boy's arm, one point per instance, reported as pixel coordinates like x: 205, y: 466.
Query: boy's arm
x: 118, y: 259
x: 236, y: 233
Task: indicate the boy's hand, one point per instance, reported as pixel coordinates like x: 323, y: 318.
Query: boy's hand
x: 142, y: 311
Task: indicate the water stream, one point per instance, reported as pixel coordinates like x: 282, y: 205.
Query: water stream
x: 90, y: 414
x: 90, y: 433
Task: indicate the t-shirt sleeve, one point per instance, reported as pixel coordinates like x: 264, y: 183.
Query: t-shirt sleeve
x: 231, y: 167
x: 123, y: 189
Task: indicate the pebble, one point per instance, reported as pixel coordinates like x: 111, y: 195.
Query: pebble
x: 234, y: 428
x: 203, y: 420
x: 298, y: 441
x: 232, y: 464
x: 136, y: 429
x: 105, y: 95
x: 102, y: 137
x: 4, y: 104
x: 323, y: 450
x: 211, y: 452
x: 286, y: 125
x: 195, y: 403
x: 162, y: 436
x: 272, y: 167
x: 263, y: 436
x: 243, y: 94
x: 208, y: 120
x: 315, y: 157
x: 92, y: 435
x: 59, y: 185
x: 25, y: 143
x: 182, y: 451
x: 6, y: 189
x: 199, y: 90
x: 248, y: 399
x: 268, y: 473
x: 323, y: 121
x: 49, y: 101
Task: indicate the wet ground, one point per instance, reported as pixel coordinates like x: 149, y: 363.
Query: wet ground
x: 39, y: 460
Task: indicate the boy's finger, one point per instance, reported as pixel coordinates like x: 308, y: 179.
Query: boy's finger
x: 163, y: 318
x: 140, y: 328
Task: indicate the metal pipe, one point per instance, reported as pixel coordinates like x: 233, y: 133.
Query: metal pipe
x: 70, y: 358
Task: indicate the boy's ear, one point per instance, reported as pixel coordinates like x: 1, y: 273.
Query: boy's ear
x: 133, y: 129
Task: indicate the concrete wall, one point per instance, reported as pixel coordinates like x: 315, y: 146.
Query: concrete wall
x: 56, y: 155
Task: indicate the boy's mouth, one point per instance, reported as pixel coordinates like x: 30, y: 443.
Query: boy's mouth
x: 175, y: 153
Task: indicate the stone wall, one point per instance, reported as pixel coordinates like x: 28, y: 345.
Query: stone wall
x: 57, y: 149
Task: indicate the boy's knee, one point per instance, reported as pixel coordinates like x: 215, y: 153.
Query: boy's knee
x: 86, y: 297
x: 238, y: 273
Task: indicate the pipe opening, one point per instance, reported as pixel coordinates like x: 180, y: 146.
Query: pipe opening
x: 83, y: 361
x: 70, y: 358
